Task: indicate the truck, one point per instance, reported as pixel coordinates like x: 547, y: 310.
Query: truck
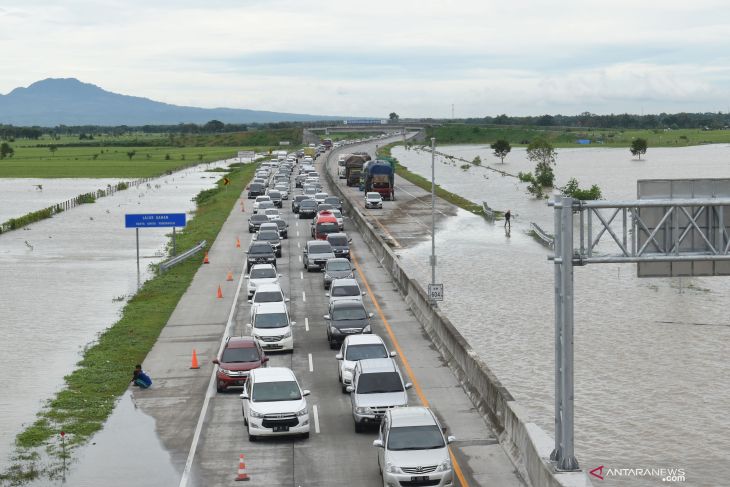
x: 341, y: 173
x: 327, y: 143
x: 380, y: 177
x: 310, y: 151
x: 353, y: 167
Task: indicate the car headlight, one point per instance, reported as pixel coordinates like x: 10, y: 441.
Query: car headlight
x: 334, y: 329
x: 287, y: 334
x: 363, y: 410
x: 302, y: 412
x: 367, y: 329
x: 390, y: 468
x: 255, y: 414
x: 444, y: 466
x: 326, y: 276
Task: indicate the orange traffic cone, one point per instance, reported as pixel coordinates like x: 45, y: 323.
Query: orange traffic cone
x: 194, y: 364
x: 229, y: 277
x: 220, y: 292
x: 205, y: 259
x: 238, y: 243
x: 242, y: 475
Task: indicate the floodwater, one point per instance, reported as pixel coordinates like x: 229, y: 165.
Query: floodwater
x: 66, y: 279
x: 652, y: 379
x: 19, y: 196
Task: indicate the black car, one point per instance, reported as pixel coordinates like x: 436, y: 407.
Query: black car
x: 283, y: 227
x: 271, y: 236
x: 346, y: 317
x: 259, y: 253
x: 334, y: 201
x: 255, y: 189
x: 307, y: 208
x: 337, y: 269
x: 275, y: 196
x: 340, y: 244
x: 255, y: 221
x: 295, y: 202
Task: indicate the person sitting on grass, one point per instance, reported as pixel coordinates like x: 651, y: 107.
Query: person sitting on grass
x: 140, y: 378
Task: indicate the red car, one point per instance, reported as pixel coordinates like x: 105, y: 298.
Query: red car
x: 323, y: 224
x: 240, y: 356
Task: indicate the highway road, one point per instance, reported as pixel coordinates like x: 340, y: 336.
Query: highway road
x: 204, y: 429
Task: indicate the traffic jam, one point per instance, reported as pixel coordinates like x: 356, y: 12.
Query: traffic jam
x: 287, y: 195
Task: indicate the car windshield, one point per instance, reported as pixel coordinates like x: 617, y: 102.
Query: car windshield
x: 339, y: 241
x: 271, y: 320
x: 320, y: 249
x: 271, y: 211
x: 368, y: 350
x: 373, y: 196
x: 268, y: 297
x: 379, y: 382
x: 268, y: 235
x: 327, y: 227
x: 274, y: 194
x: 332, y: 200
x: 308, y: 203
x: 345, y: 291
x: 299, y: 197
x: 257, y: 218
x: 276, y: 391
x: 347, y: 314
x: 260, y: 249
x: 237, y: 355
x: 334, y: 265
x: 259, y: 199
x: 427, y: 437
x: 265, y: 273
x: 280, y: 223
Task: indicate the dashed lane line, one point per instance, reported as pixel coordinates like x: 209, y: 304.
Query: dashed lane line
x: 306, y: 324
x: 316, y: 418
x: 311, y: 364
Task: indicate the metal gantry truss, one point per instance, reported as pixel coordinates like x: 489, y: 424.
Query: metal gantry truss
x: 647, y: 232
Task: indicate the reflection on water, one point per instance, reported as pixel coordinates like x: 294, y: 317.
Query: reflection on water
x: 64, y: 280
x: 651, y: 368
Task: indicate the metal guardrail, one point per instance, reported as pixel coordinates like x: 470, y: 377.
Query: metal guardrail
x: 542, y: 236
x: 182, y: 257
x: 488, y: 212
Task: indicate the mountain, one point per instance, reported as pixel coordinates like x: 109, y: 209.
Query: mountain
x: 68, y: 101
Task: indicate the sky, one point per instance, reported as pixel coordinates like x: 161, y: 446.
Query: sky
x: 415, y: 58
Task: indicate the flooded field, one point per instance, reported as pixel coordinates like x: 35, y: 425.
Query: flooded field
x: 651, y: 368
x: 65, y: 279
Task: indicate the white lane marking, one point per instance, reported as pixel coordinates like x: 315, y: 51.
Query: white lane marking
x: 300, y: 258
x: 306, y: 324
x: 316, y: 418
x: 311, y: 364
x: 296, y: 224
x: 297, y: 233
x: 301, y: 275
x: 209, y: 392
x: 299, y: 246
x: 304, y: 296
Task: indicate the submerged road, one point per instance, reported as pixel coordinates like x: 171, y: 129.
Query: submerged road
x: 204, y: 429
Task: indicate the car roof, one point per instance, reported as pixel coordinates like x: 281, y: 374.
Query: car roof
x: 258, y: 215
x: 263, y: 266
x: 347, y: 281
x: 273, y: 374
x: 349, y: 302
x: 372, y: 365
x: 269, y: 308
x: 268, y: 287
x: 363, y: 339
x: 372, y: 194
x: 411, y: 416
x: 241, y: 342
x: 338, y: 234
x: 318, y: 242
x: 339, y: 259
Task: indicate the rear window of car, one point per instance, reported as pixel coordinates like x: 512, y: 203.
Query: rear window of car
x: 308, y: 203
x: 274, y: 194
x: 258, y: 218
x: 268, y: 297
x: 345, y: 291
x: 339, y: 241
x: 265, y: 273
x: 379, y: 382
x: 260, y: 248
x: 271, y: 320
x: 268, y: 235
x: 369, y: 350
x: 320, y: 248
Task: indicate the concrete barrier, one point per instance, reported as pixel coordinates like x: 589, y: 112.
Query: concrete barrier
x: 527, y: 444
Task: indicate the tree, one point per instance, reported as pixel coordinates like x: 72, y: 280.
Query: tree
x: 53, y: 148
x: 214, y: 126
x: 393, y: 117
x: 6, y: 150
x: 131, y: 154
x: 477, y: 161
x: 574, y: 191
x: 543, y: 155
x: 638, y: 147
x: 501, y: 148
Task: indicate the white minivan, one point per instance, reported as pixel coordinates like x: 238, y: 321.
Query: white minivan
x: 274, y: 404
x: 271, y: 327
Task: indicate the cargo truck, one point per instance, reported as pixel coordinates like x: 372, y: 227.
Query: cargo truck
x: 341, y: 169
x: 380, y: 177
x: 353, y: 167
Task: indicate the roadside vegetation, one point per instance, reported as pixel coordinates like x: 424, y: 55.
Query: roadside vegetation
x: 522, y: 136
x: 103, y: 374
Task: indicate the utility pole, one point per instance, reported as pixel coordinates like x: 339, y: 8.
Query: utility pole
x: 433, y: 213
x: 452, y: 111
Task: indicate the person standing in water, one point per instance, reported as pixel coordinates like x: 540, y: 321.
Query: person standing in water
x: 507, y: 217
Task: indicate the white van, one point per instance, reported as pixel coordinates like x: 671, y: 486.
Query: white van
x: 274, y: 404
x: 271, y: 326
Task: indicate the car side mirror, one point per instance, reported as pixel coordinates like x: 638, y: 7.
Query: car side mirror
x: 349, y: 240
x: 326, y: 317
x: 393, y: 353
x: 370, y: 315
x: 279, y: 275
x: 339, y: 356
x: 244, y: 395
x: 245, y: 275
x: 250, y: 301
x: 364, y: 294
x: 327, y: 294
x: 450, y: 439
x: 216, y: 361
x: 349, y: 388
x: 408, y: 385
x: 264, y: 360
x: 286, y: 300
x: 306, y: 392
x: 293, y: 323
x: 378, y: 444
x: 248, y: 324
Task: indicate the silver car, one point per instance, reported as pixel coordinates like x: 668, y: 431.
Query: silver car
x: 316, y: 253
x: 412, y: 449
x: 339, y: 268
x: 377, y: 386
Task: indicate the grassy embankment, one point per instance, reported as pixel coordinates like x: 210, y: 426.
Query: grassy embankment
x: 568, y: 137
x: 103, y: 374
x: 154, y: 154
x: 425, y: 184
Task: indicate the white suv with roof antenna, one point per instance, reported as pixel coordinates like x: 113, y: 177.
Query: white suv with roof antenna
x: 272, y: 327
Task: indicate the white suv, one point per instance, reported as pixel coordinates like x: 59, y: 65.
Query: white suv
x: 355, y: 348
x: 274, y: 404
x: 412, y: 449
x: 261, y: 274
x: 266, y: 293
x: 271, y: 327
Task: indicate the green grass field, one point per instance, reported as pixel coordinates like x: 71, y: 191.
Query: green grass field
x: 568, y: 137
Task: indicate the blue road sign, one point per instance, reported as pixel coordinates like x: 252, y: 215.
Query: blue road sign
x: 151, y: 220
